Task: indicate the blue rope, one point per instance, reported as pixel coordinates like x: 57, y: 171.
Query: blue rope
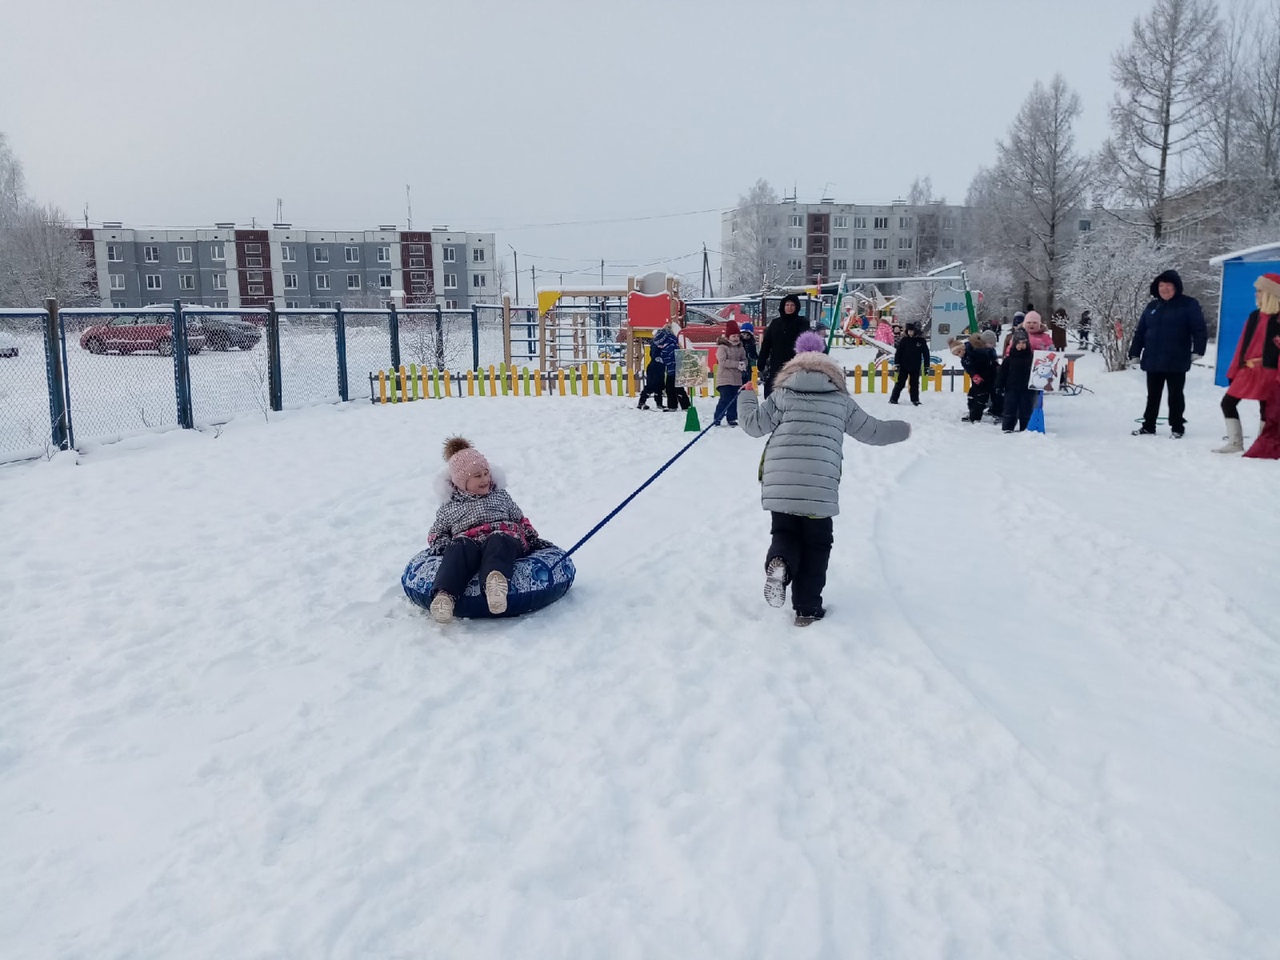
x: 640, y: 489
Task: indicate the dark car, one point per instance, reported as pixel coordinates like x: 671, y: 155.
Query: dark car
x: 132, y: 332
x: 226, y: 333
x: 8, y: 346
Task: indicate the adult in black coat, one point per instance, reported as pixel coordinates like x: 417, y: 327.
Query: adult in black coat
x: 778, y: 345
x: 1170, y: 335
x: 910, y: 357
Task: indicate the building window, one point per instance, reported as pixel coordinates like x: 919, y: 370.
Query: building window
x: 477, y: 255
x: 948, y: 223
x: 384, y: 281
x: 882, y: 223
x: 417, y: 262
x: 797, y: 220
x: 733, y: 226
x: 153, y: 281
x: 324, y: 304
x: 417, y: 249
x: 859, y: 264
x: 254, y: 276
x: 219, y: 281
x: 186, y: 281
x: 418, y: 276
x: 880, y: 243
x: 904, y: 223
x: 478, y: 280
x: 184, y: 254
x: 859, y: 223
x: 291, y: 304
x: 904, y: 264
x: 879, y: 264
x: 353, y: 254
x: 795, y: 243
x: 216, y: 252
x: 118, y: 304
x: 418, y: 288
x: 220, y: 304
x: 253, y: 261
x: 795, y: 265
x: 839, y: 223
x: 904, y: 243
x: 948, y: 243
x: 1086, y: 226
x: 117, y: 281
x: 859, y: 243
x: 253, y: 248
x: 451, y: 304
x: 286, y: 253
x: 839, y: 264
x: 321, y: 254
x: 151, y: 254
x: 256, y: 290
x: 384, y: 254
x: 450, y: 255
x: 322, y: 281
x: 291, y: 281
x: 839, y: 243
x: 113, y: 253
x: 451, y: 281
x: 353, y: 281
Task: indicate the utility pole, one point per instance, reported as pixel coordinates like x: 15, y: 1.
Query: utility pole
x: 602, y: 271
x: 408, y: 201
x: 533, y: 275
x: 515, y: 257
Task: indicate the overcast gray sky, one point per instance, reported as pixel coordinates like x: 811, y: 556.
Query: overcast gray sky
x: 508, y: 113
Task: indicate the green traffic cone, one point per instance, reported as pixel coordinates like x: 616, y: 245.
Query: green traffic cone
x: 691, y: 424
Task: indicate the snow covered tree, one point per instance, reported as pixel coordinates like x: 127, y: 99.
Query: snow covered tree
x: 1109, y: 273
x: 1259, y: 151
x: 1166, y: 80
x: 751, y: 261
x: 41, y: 257
x: 1038, y: 183
x: 13, y: 185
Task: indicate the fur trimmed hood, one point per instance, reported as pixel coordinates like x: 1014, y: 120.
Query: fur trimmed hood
x: 442, y: 486
x: 813, y: 365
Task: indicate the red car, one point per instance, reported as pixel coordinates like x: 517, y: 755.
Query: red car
x: 133, y: 332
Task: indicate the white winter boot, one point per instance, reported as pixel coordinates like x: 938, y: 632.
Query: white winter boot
x: 1235, y: 438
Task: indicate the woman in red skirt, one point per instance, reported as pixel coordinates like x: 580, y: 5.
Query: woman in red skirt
x: 1254, y: 375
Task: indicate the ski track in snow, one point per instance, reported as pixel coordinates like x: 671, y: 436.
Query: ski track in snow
x: 1039, y: 721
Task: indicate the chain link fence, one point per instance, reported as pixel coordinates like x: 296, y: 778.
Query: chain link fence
x: 24, y: 384
x: 309, y: 358
x: 230, y: 376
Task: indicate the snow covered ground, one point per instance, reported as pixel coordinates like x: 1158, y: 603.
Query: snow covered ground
x: 1042, y: 718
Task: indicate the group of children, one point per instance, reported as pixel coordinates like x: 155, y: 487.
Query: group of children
x: 735, y: 357
x: 480, y: 530
x: 1004, y: 385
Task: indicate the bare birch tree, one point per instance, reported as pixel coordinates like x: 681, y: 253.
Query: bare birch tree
x: 41, y: 257
x: 751, y: 262
x: 1165, y: 75
x: 1260, y: 112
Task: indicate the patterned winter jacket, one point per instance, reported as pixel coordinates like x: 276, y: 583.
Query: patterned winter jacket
x: 479, y: 517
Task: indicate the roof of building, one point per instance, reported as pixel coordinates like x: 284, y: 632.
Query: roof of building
x: 1266, y: 251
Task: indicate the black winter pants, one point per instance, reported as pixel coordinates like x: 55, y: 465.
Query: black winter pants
x: 1019, y: 403
x: 464, y: 558
x: 1177, y: 401
x: 903, y: 377
x: 646, y: 393
x: 978, y: 397
x: 676, y: 395
x: 804, y: 544
x: 1231, y: 408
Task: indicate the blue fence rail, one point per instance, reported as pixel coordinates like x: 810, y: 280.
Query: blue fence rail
x: 74, y: 375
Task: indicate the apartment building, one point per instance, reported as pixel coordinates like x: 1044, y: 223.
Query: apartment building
x: 808, y: 242
x: 227, y: 266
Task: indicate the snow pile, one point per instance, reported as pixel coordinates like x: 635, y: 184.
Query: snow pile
x: 1042, y: 718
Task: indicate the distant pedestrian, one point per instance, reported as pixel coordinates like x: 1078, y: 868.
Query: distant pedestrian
x: 1015, y: 382
x: 910, y: 359
x: 778, y: 345
x: 1170, y: 336
x: 731, y: 369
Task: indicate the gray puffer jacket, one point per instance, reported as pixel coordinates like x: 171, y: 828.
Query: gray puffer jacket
x: 808, y: 414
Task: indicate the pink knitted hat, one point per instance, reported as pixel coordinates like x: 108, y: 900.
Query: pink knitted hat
x: 464, y: 461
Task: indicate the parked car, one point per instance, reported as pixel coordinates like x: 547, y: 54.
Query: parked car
x: 8, y: 346
x: 225, y: 333
x: 130, y: 333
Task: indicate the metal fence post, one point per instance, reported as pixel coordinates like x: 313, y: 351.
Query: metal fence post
x: 55, y: 374
x: 475, y: 337
x: 66, y: 384
x: 395, y: 337
x: 275, y: 391
x: 440, y: 358
x: 182, y: 368
x: 340, y: 339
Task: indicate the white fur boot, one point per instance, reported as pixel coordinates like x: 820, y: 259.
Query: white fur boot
x: 1235, y: 438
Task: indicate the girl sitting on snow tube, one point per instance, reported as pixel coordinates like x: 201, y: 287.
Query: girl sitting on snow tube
x: 479, y: 529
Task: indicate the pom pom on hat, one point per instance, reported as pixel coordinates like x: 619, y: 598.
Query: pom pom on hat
x: 1268, y: 283
x: 810, y: 342
x: 464, y: 461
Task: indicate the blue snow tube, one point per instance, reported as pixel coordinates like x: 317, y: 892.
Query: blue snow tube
x: 538, y: 580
